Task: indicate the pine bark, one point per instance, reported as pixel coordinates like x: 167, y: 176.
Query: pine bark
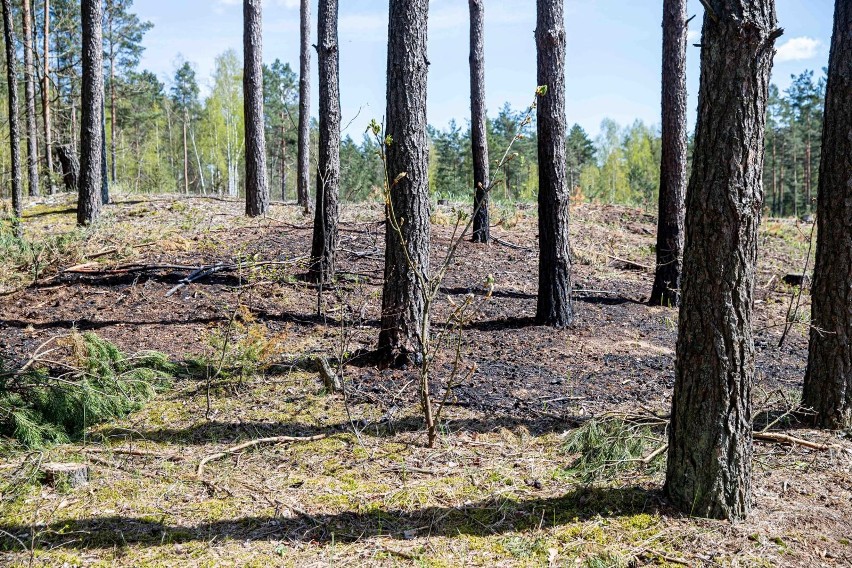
x: 666, y: 288
x: 710, y: 436
x: 29, y: 94
x: 828, y: 381
x: 14, y: 126
x: 304, y: 142
x: 328, y: 163
x: 45, y: 103
x: 478, y: 124
x: 257, y: 188
x: 91, y: 121
x: 555, y: 307
x: 407, y: 266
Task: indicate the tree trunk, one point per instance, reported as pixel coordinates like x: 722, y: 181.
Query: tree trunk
x: 710, y: 436
x: 407, y: 267
x: 104, y: 168
x: 185, y: 158
x: 666, y: 289
x: 304, y: 149
x: 45, y: 103
x: 283, y: 159
x: 257, y: 189
x: 328, y: 164
x: 14, y: 127
x: 91, y: 121
x: 29, y: 93
x: 554, y: 280
x: 478, y: 120
x: 828, y: 381
x: 112, y: 109
x: 70, y: 167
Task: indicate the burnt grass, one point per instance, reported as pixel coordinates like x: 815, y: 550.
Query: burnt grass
x: 616, y: 359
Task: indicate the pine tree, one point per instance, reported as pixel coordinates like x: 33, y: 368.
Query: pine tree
x: 14, y: 128
x: 257, y: 187
x: 92, y: 94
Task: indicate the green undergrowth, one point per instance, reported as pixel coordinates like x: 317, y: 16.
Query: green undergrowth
x: 610, y: 447
x: 41, y: 405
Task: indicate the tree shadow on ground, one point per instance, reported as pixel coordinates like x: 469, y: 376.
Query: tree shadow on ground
x: 494, y: 516
x: 213, y: 431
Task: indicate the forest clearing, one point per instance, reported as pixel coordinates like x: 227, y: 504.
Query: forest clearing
x: 505, y: 485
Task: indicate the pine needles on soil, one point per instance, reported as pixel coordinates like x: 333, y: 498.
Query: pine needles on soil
x: 40, y: 407
x: 608, y: 447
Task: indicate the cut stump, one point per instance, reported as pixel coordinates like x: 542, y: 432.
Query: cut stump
x: 69, y: 474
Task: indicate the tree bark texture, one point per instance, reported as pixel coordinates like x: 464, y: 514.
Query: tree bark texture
x: 478, y: 122
x: 666, y: 289
x: 113, y: 131
x: 14, y: 127
x: 45, y: 103
x: 104, y: 165
x: 407, y: 254
x: 828, y: 381
x: 303, y: 152
x: 70, y: 167
x: 92, y: 94
x: 710, y: 436
x: 257, y: 189
x: 555, y: 306
x: 328, y: 163
x: 29, y: 94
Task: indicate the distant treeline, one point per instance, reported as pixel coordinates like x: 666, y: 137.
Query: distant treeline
x: 168, y: 137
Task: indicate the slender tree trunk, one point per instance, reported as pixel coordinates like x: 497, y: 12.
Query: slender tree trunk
x: 774, y: 174
x: 91, y: 142
x: 555, y: 306
x: 781, y: 207
x: 407, y: 267
x: 304, y: 146
x: 828, y: 381
x: 257, y: 188
x: 185, y: 159
x: 45, y: 104
x: 666, y: 289
x: 198, y: 163
x: 710, y: 436
x: 112, y: 110
x: 795, y: 185
x: 328, y: 165
x: 14, y: 127
x: 478, y: 120
x: 29, y: 93
x: 808, y: 204
x: 283, y: 159
x: 104, y: 169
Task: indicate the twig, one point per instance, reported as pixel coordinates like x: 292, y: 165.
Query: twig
x: 251, y: 443
x: 500, y: 241
x: 650, y: 457
x: 791, y: 311
x: 139, y: 453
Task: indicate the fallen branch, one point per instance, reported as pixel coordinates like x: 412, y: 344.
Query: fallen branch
x: 329, y: 377
x: 251, y: 443
x: 138, y: 453
x: 650, y: 457
x: 196, y: 275
x: 786, y: 439
x: 500, y: 241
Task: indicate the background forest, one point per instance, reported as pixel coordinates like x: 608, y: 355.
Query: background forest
x: 165, y: 137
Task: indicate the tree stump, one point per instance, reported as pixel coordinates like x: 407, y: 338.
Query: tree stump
x: 68, y: 474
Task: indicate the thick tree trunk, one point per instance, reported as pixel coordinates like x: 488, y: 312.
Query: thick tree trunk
x: 554, y: 280
x: 666, y: 289
x: 29, y: 93
x: 828, y: 381
x: 710, y: 436
x: 478, y: 129
x: 91, y: 121
x: 407, y: 268
x: 257, y: 189
x: 45, y: 103
x: 328, y: 165
x: 303, y: 160
x: 14, y: 127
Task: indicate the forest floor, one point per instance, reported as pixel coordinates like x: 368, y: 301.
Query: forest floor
x: 502, y: 487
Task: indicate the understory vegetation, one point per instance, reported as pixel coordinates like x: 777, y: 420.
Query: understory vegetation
x: 211, y: 435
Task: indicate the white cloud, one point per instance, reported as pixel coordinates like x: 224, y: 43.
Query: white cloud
x: 693, y: 36
x: 289, y: 4
x: 798, y: 49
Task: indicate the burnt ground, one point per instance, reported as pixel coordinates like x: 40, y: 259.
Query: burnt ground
x: 617, y: 359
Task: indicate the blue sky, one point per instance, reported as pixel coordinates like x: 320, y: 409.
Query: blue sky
x: 613, y: 59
